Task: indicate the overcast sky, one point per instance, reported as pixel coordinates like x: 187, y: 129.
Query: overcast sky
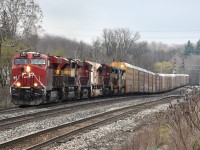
x: 167, y: 21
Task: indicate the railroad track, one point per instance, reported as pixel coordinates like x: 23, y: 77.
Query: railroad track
x: 8, y: 110
x: 50, y: 137
x: 20, y: 109
x: 17, y: 109
x: 12, y: 122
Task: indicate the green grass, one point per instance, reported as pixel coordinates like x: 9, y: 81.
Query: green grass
x: 165, y: 131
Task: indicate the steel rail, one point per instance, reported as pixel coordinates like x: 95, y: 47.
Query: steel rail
x: 18, y: 120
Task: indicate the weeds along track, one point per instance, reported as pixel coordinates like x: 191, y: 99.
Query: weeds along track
x: 50, y: 137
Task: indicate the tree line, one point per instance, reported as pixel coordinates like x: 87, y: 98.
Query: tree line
x: 191, y: 49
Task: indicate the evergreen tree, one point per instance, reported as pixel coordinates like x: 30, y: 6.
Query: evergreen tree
x: 198, y: 47
x: 189, y: 49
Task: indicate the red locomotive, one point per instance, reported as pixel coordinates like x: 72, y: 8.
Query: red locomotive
x: 29, y: 83
x: 38, y: 78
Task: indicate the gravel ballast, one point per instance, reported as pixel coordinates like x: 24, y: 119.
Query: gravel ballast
x: 36, y: 126
x: 110, y: 136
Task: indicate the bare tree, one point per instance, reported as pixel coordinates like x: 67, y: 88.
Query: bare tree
x: 118, y: 42
x: 97, y: 49
x: 20, y: 18
x: 138, y: 51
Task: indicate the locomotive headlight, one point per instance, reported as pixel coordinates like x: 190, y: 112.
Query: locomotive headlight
x: 18, y: 84
x: 35, y: 84
x: 28, y: 69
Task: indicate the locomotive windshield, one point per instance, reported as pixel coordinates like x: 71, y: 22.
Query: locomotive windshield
x: 38, y: 61
x: 21, y: 61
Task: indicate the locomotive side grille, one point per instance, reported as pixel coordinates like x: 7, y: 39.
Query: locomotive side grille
x: 57, y: 81
x: 69, y: 80
x: 84, y: 80
x: 115, y: 81
x: 100, y: 80
x: 106, y: 81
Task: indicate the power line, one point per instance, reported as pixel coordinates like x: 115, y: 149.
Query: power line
x: 170, y: 37
x: 172, y: 31
x: 144, y: 31
x: 142, y: 37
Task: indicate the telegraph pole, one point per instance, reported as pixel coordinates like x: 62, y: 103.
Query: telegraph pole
x: 183, y: 65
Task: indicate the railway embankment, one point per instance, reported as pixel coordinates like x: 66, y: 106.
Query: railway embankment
x: 178, y: 127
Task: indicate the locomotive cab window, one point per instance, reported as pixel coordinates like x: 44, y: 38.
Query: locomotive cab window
x: 100, y: 71
x: 117, y: 71
x: 112, y: 70
x: 21, y: 61
x: 38, y: 61
x: 73, y: 65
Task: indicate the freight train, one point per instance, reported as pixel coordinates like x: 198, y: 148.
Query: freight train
x: 38, y: 79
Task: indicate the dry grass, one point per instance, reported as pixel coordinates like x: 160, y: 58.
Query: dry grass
x: 153, y: 136
x: 176, y: 129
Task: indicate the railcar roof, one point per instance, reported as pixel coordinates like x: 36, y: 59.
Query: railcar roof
x: 28, y: 54
x: 138, y: 68
x: 94, y: 63
x: 172, y: 75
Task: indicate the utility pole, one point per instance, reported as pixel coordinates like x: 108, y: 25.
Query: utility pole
x: 174, y: 66
x: 183, y: 65
x: 161, y: 67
